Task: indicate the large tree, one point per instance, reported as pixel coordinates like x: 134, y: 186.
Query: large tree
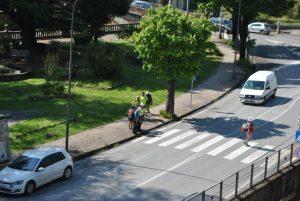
x: 172, y: 45
x: 96, y: 13
x: 28, y: 15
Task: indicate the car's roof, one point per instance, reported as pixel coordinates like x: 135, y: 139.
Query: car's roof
x: 260, y: 75
x: 42, y: 152
x: 258, y: 23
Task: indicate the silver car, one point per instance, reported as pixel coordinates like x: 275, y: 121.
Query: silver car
x: 259, y: 27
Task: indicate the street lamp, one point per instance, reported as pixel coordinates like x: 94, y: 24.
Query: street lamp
x: 69, y: 80
x: 236, y: 39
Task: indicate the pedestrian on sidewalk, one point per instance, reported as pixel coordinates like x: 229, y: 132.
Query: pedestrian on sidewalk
x: 149, y: 101
x: 249, y: 128
x: 130, y: 115
x: 138, y: 120
x: 143, y: 99
x: 136, y: 102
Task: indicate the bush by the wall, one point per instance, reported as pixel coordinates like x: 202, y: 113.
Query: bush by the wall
x: 104, y: 59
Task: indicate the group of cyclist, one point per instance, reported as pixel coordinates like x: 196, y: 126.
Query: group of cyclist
x: 139, y: 108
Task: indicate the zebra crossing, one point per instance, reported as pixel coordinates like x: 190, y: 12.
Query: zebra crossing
x: 211, y: 144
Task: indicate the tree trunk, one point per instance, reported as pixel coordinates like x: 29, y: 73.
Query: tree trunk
x: 164, y: 2
x: 28, y: 36
x: 170, y: 100
x: 234, y: 27
x: 243, y: 35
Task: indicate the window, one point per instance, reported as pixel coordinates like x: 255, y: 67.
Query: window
x: 57, y: 157
x: 24, y: 163
x: 267, y: 84
x: 256, y: 85
x: 46, y: 162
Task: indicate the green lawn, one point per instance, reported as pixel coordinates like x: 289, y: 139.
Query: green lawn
x: 91, y: 106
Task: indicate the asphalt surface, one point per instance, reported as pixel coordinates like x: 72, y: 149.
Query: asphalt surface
x: 195, y: 153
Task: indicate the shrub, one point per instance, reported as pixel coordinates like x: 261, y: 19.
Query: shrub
x: 53, y: 89
x: 104, y: 59
x: 82, y: 40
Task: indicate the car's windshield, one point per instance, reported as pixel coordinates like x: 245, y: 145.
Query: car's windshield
x: 256, y: 85
x: 24, y: 163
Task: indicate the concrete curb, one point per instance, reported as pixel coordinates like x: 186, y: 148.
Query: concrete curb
x: 90, y: 153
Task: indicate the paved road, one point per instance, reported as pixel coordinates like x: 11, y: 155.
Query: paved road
x: 193, y: 154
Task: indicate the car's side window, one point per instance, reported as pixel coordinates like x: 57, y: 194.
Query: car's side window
x: 267, y: 84
x: 45, y: 162
x: 57, y: 157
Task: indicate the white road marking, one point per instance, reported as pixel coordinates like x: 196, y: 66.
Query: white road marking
x: 224, y: 147
x: 274, y: 41
x: 139, y: 139
x: 178, y: 138
x: 187, y: 160
x: 160, y: 137
x: 192, y: 141
x: 240, y: 151
x: 257, y: 154
x: 207, y: 144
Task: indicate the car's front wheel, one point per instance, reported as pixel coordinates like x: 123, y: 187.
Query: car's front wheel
x: 68, y: 173
x: 29, y: 188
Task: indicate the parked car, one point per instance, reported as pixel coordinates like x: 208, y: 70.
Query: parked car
x: 142, y: 4
x: 226, y: 24
x: 35, y: 168
x: 260, y: 27
x: 259, y: 87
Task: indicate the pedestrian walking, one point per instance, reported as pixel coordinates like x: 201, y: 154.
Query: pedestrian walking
x: 136, y: 102
x: 130, y: 115
x: 149, y: 101
x: 138, y: 120
x: 143, y: 100
x: 249, y: 129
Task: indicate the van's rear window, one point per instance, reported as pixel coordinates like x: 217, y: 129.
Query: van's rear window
x: 256, y: 85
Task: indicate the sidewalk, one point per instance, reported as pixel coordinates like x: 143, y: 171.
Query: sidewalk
x: 90, y: 141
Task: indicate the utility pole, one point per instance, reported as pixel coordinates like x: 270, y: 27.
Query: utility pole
x: 187, y: 6
x: 236, y: 38
x: 69, y: 80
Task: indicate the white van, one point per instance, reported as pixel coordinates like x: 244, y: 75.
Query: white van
x: 259, y: 87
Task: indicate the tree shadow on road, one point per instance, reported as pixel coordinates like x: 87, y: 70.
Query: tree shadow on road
x: 230, y: 127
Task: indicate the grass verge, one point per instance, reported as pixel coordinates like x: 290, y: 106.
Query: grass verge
x: 91, y: 106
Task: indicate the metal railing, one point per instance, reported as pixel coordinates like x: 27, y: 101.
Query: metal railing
x: 48, y: 34
x: 247, y: 177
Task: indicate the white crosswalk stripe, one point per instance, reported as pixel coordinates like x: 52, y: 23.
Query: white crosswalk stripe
x: 178, y: 138
x: 257, y: 154
x: 207, y: 144
x: 240, y: 151
x: 160, y: 137
x: 223, y: 147
x: 192, y: 141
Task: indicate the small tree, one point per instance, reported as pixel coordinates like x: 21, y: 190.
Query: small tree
x: 52, y: 87
x: 51, y: 63
x: 172, y: 44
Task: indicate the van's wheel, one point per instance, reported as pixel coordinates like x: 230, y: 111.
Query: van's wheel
x: 274, y: 95
x: 262, y: 32
x: 264, y: 101
x: 29, y: 188
x: 68, y: 173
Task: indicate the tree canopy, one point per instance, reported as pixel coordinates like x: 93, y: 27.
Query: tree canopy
x: 28, y: 15
x: 96, y: 13
x: 172, y: 44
